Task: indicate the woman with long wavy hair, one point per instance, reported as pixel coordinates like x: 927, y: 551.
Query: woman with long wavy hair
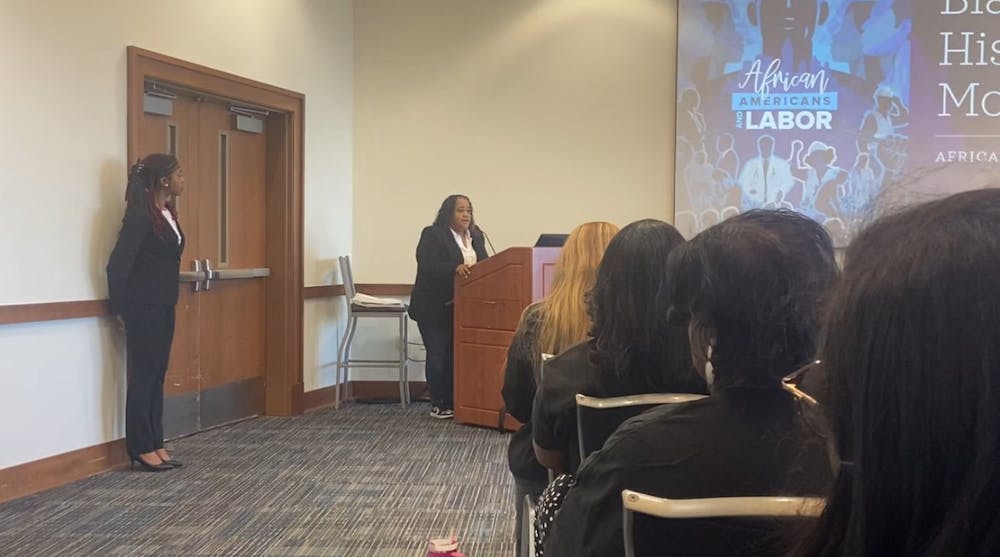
x: 550, y: 326
x: 143, y: 286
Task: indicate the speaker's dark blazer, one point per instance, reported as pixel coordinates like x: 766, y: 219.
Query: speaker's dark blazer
x: 143, y: 268
x: 438, y: 255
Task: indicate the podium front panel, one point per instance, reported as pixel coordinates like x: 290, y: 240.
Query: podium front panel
x: 488, y: 307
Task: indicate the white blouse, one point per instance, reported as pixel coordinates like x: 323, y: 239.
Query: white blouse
x: 173, y: 224
x: 465, y: 244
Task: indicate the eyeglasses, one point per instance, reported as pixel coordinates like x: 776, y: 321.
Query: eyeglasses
x: 809, y: 410
x: 789, y: 382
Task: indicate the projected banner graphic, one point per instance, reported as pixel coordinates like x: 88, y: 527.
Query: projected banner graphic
x: 830, y: 107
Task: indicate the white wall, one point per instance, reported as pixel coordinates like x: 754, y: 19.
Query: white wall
x: 62, y: 154
x: 547, y: 113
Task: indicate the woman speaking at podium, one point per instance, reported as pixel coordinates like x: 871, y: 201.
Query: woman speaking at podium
x: 448, y: 248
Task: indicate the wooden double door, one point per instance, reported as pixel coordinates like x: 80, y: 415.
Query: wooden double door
x: 217, y: 363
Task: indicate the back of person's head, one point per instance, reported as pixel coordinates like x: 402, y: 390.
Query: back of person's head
x: 752, y: 287
x: 564, y: 320
x: 912, y: 364
x: 632, y: 338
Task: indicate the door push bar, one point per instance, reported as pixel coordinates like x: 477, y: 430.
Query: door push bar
x: 203, y: 274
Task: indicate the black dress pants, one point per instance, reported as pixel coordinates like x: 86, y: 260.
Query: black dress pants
x: 439, y: 344
x: 149, y: 334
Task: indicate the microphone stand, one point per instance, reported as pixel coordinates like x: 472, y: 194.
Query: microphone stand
x: 487, y: 238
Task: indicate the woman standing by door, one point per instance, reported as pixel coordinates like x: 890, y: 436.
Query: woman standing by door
x: 143, y: 285
x: 449, y: 247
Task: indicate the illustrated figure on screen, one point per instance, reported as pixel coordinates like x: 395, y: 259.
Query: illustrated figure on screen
x: 879, y: 130
x: 863, y: 183
x: 765, y: 178
x: 839, y: 232
x: 819, y: 194
x: 690, y: 120
x: 699, y: 179
x: 709, y: 218
x: 726, y: 51
x: 791, y: 22
x: 847, y: 48
x: 886, y: 41
x: 726, y: 159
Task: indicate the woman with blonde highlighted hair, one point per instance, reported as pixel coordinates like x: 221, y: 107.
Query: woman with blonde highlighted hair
x: 549, y: 326
x: 563, y: 315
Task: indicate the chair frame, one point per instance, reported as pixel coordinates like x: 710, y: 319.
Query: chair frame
x: 649, y: 399
x: 713, y: 507
x: 344, y: 360
x: 528, y: 527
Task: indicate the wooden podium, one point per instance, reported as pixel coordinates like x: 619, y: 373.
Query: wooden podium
x: 488, y: 307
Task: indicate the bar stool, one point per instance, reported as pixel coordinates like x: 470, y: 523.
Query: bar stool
x: 354, y: 313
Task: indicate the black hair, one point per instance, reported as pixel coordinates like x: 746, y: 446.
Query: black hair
x: 447, y: 210
x: 143, y: 180
x: 753, y: 286
x: 632, y: 339
x: 912, y: 365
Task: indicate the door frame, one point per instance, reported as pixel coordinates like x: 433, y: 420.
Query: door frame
x: 283, y: 392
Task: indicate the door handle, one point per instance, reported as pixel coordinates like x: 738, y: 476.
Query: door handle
x: 230, y: 274
x: 195, y: 277
x: 207, y: 265
x: 203, y: 274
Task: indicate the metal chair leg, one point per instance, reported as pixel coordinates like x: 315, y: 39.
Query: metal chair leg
x: 406, y: 356
x: 402, y: 383
x: 344, y: 357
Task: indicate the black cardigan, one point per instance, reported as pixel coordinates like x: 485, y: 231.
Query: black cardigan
x: 438, y: 256
x: 143, y: 268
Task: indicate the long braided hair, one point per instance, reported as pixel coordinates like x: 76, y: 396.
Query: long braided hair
x: 143, y: 180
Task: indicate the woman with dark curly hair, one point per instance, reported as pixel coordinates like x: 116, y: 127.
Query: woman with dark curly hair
x: 448, y: 248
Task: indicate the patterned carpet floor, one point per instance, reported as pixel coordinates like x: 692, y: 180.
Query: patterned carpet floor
x: 367, y: 480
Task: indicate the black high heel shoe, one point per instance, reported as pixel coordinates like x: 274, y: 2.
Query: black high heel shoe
x: 173, y: 463
x: 162, y: 467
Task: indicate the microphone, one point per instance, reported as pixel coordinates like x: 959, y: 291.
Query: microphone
x: 483, y: 232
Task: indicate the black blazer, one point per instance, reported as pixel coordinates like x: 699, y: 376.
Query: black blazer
x: 143, y: 268
x: 438, y: 256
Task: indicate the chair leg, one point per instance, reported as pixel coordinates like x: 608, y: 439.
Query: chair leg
x: 403, y: 387
x: 344, y: 357
x: 406, y: 356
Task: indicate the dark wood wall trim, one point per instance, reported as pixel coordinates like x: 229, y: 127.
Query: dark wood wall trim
x: 77, y: 309
x: 385, y: 289
x: 325, y: 291
x: 331, y: 290
x: 54, y: 471
x: 53, y: 311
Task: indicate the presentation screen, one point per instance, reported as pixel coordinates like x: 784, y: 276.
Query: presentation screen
x: 838, y: 109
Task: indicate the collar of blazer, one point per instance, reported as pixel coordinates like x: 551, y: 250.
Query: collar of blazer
x: 449, y: 241
x: 170, y: 237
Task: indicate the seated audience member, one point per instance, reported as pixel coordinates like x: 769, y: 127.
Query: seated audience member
x: 750, y: 288
x: 633, y: 349
x: 549, y: 326
x: 912, y: 395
